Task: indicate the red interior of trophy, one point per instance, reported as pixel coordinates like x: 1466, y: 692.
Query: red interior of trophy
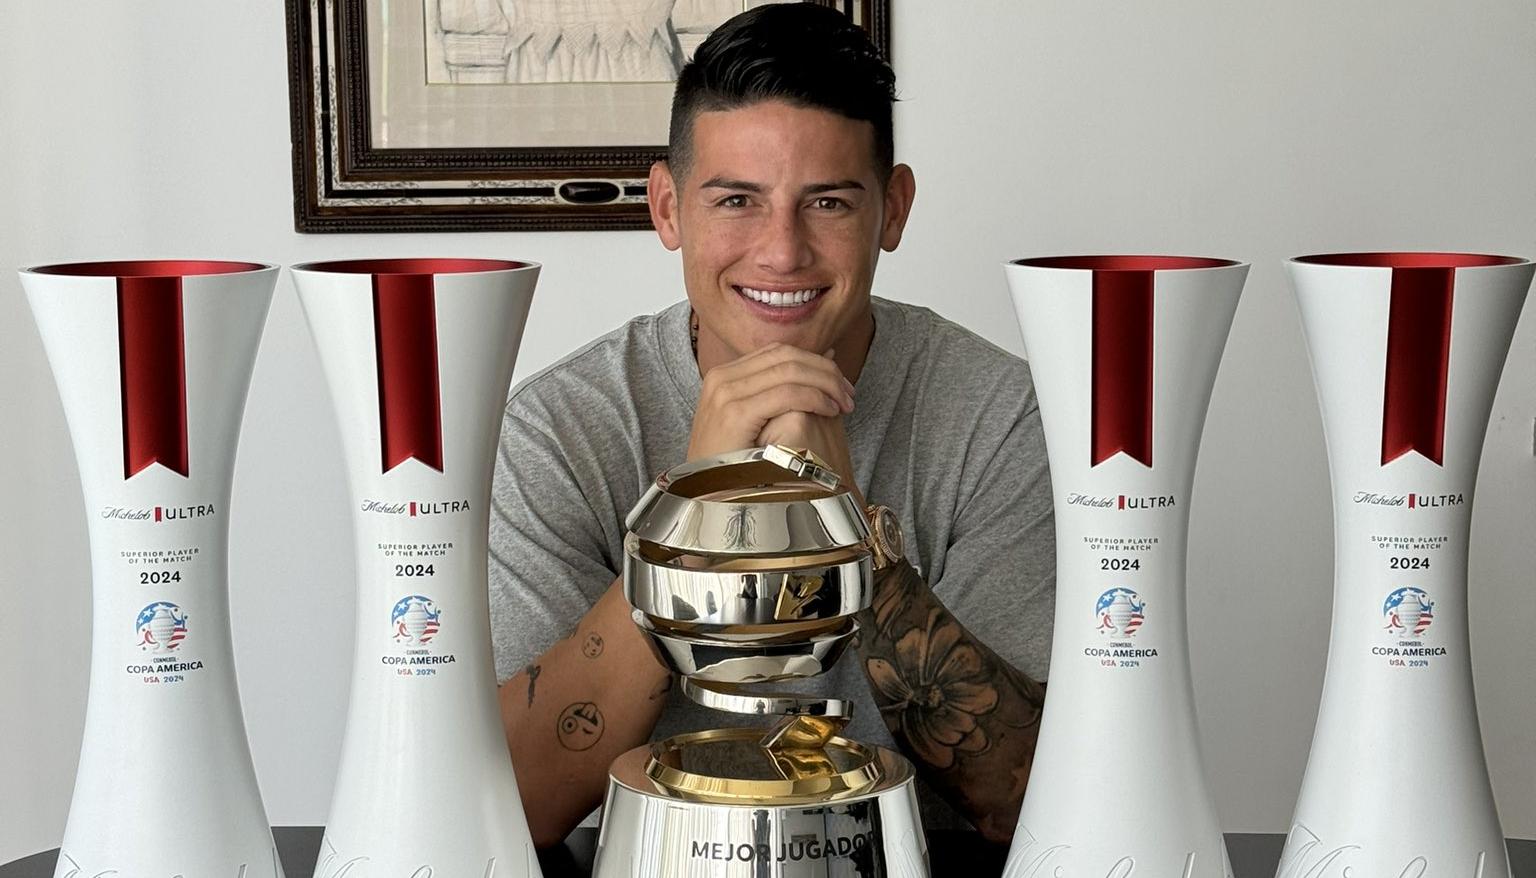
x: 149, y: 268
x: 1126, y: 263
x: 1410, y: 260
x: 412, y: 266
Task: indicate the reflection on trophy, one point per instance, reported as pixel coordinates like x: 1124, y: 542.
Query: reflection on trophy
x: 1406, y: 351
x: 418, y: 354
x: 745, y: 570
x: 1123, y: 351
x: 153, y: 360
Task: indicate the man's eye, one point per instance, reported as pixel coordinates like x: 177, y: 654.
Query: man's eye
x: 732, y: 201
x: 827, y: 202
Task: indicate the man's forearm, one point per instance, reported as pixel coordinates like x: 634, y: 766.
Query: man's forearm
x: 968, y: 719
x: 572, y: 710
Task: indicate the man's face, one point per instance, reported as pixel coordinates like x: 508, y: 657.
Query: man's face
x: 780, y: 218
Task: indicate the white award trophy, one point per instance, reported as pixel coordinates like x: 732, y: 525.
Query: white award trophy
x: 1406, y: 352
x: 1123, y: 351
x: 153, y: 360
x: 418, y: 354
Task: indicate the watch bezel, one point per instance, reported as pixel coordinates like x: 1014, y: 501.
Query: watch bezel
x: 885, y: 529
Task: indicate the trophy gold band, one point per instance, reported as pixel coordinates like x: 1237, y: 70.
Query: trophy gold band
x: 745, y: 570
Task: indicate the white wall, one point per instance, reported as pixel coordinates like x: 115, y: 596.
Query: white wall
x: 1202, y: 126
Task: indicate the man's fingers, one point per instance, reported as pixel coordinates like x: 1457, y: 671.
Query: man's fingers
x: 748, y: 363
x: 771, y: 350
x: 751, y: 413
x: 786, y: 398
x: 740, y: 397
x: 774, y: 356
x: 792, y: 372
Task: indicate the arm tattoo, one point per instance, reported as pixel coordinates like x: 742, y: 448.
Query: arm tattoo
x: 580, y: 726
x: 533, y: 672
x: 967, y: 717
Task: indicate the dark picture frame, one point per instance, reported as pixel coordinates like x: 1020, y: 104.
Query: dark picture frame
x: 344, y: 182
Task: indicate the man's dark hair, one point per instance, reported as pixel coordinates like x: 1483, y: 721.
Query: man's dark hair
x: 802, y: 53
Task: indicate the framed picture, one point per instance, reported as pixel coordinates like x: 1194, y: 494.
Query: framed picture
x: 491, y: 115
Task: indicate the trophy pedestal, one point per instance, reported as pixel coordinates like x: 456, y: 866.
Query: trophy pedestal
x: 670, y: 811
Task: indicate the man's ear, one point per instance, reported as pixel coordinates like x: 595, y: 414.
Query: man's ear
x: 662, y: 195
x: 899, y: 192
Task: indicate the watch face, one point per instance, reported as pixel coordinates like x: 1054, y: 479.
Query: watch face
x: 888, y: 531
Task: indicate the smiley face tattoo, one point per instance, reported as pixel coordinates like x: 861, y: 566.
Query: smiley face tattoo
x: 580, y: 726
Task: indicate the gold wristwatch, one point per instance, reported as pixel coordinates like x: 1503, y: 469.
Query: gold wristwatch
x: 885, y: 539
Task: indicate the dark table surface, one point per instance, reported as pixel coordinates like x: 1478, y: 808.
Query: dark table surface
x: 1254, y: 855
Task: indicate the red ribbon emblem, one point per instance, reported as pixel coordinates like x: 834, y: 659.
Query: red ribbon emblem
x: 153, y: 370
x: 1122, y: 365
x: 1418, y: 344
x: 1418, y: 359
x: 1122, y: 346
x: 405, y: 338
x: 151, y: 352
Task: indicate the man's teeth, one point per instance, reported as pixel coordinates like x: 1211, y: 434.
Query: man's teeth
x: 781, y: 300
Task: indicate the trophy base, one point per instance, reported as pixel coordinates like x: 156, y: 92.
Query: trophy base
x: 663, y: 816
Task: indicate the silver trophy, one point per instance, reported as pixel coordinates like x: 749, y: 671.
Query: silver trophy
x: 744, y: 570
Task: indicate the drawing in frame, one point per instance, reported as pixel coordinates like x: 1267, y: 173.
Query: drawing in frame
x: 491, y: 115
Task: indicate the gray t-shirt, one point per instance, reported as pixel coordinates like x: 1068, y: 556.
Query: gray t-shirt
x: 945, y: 431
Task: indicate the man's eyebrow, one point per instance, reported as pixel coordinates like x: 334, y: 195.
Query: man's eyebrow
x: 725, y: 183
x: 813, y: 189
x: 817, y: 188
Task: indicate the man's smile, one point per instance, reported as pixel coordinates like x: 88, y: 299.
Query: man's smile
x: 780, y: 302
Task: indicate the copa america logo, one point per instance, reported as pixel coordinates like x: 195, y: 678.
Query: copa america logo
x: 1120, y: 612
x: 415, y: 619
x: 161, y: 627
x: 1408, y: 611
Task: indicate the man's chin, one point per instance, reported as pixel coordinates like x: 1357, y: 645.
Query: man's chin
x: 811, y: 335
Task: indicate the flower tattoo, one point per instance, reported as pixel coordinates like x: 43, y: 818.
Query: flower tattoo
x: 890, y: 602
x: 943, y: 692
x: 934, y: 690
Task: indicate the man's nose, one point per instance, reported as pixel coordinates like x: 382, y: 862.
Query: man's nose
x: 783, y: 246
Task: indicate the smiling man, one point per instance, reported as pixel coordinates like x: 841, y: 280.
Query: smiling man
x: 780, y: 192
